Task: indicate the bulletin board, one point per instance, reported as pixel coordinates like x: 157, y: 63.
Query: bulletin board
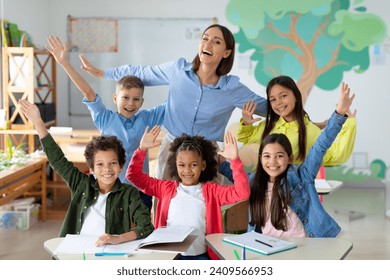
x: 140, y: 41
x: 91, y: 35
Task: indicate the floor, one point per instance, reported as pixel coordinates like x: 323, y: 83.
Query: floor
x: 370, y: 234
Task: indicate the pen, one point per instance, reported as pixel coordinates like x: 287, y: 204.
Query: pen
x: 110, y: 254
x: 236, y: 254
x: 263, y: 243
x: 243, y: 253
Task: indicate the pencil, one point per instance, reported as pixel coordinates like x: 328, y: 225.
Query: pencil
x: 263, y: 243
x: 236, y: 254
x: 243, y: 253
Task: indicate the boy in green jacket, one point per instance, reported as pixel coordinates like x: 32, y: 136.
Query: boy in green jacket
x: 100, y: 204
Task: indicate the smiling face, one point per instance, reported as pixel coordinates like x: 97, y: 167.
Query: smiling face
x: 106, y: 168
x: 189, y: 165
x: 212, y: 47
x: 282, y: 102
x: 274, y: 160
x: 128, y: 101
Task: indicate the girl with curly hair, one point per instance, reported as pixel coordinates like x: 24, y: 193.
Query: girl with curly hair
x: 191, y: 199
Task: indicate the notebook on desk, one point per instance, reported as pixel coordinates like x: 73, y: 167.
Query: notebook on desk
x: 260, y: 243
x: 172, y: 239
x: 79, y: 244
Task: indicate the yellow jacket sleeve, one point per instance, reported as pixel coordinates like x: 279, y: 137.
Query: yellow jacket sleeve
x: 250, y: 134
x: 342, y: 147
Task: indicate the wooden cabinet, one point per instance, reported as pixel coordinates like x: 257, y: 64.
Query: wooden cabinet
x: 29, y: 74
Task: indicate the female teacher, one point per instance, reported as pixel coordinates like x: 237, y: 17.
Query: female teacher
x: 202, y: 96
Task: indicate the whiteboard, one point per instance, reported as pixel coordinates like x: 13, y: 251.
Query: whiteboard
x: 141, y: 41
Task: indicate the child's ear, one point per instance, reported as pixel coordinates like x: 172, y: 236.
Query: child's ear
x: 203, y: 165
x: 291, y: 159
x: 142, y: 102
x: 91, y: 171
x: 114, y: 97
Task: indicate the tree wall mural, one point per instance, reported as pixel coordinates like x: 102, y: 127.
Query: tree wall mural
x: 314, y: 41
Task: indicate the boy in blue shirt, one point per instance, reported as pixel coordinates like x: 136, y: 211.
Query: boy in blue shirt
x: 128, y: 123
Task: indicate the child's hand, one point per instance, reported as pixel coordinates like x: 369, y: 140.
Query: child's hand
x: 247, y: 112
x: 149, y: 138
x: 59, y: 51
x: 345, y: 100
x: 31, y: 111
x: 107, y: 239
x: 350, y: 114
x: 230, y: 151
x: 89, y: 68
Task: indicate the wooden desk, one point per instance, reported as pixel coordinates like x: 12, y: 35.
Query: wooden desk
x: 14, y: 183
x: 51, y: 244
x: 308, y: 249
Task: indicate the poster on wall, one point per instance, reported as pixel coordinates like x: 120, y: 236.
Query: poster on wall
x: 92, y: 35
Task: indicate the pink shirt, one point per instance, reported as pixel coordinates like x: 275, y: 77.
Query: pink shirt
x: 295, y: 227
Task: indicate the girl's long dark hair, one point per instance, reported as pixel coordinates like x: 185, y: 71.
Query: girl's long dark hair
x: 280, y: 197
x: 299, y: 112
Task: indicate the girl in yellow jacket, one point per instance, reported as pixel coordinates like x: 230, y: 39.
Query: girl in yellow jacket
x: 285, y: 114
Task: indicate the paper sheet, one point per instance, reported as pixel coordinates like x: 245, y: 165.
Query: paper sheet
x: 78, y: 244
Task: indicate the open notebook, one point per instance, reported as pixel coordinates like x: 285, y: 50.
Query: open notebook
x: 79, y: 244
x: 164, y: 239
x: 168, y: 239
x: 260, y: 243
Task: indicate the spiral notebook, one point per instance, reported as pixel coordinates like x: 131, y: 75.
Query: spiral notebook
x: 260, y: 243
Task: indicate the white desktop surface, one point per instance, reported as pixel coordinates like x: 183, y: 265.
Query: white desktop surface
x: 308, y: 249
x: 51, y: 244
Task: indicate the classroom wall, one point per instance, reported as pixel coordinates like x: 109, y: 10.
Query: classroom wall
x: 43, y: 17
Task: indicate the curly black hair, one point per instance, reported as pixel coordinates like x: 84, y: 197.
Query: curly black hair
x: 206, y: 149
x: 104, y: 143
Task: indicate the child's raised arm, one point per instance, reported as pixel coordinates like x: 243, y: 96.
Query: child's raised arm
x: 31, y: 111
x: 345, y: 100
x: 230, y: 151
x: 90, y: 69
x: 60, y: 53
x: 149, y: 138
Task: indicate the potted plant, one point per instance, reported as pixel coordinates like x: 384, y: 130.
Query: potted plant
x: 12, y: 157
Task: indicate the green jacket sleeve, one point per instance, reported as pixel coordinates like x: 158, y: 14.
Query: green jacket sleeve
x: 140, y: 216
x: 250, y: 134
x: 342, y: 147
x: 71, y: 175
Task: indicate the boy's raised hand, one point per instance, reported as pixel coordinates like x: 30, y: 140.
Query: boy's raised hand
x: 230, y: 151
x: 31, y: 111
x: 149, y: 138
x: 345, y: 100
x: 89, y: 68
x: 57, y: 49
x: 248, y: 110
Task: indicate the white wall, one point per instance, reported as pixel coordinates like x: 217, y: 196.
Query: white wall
x: 43, y: 17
